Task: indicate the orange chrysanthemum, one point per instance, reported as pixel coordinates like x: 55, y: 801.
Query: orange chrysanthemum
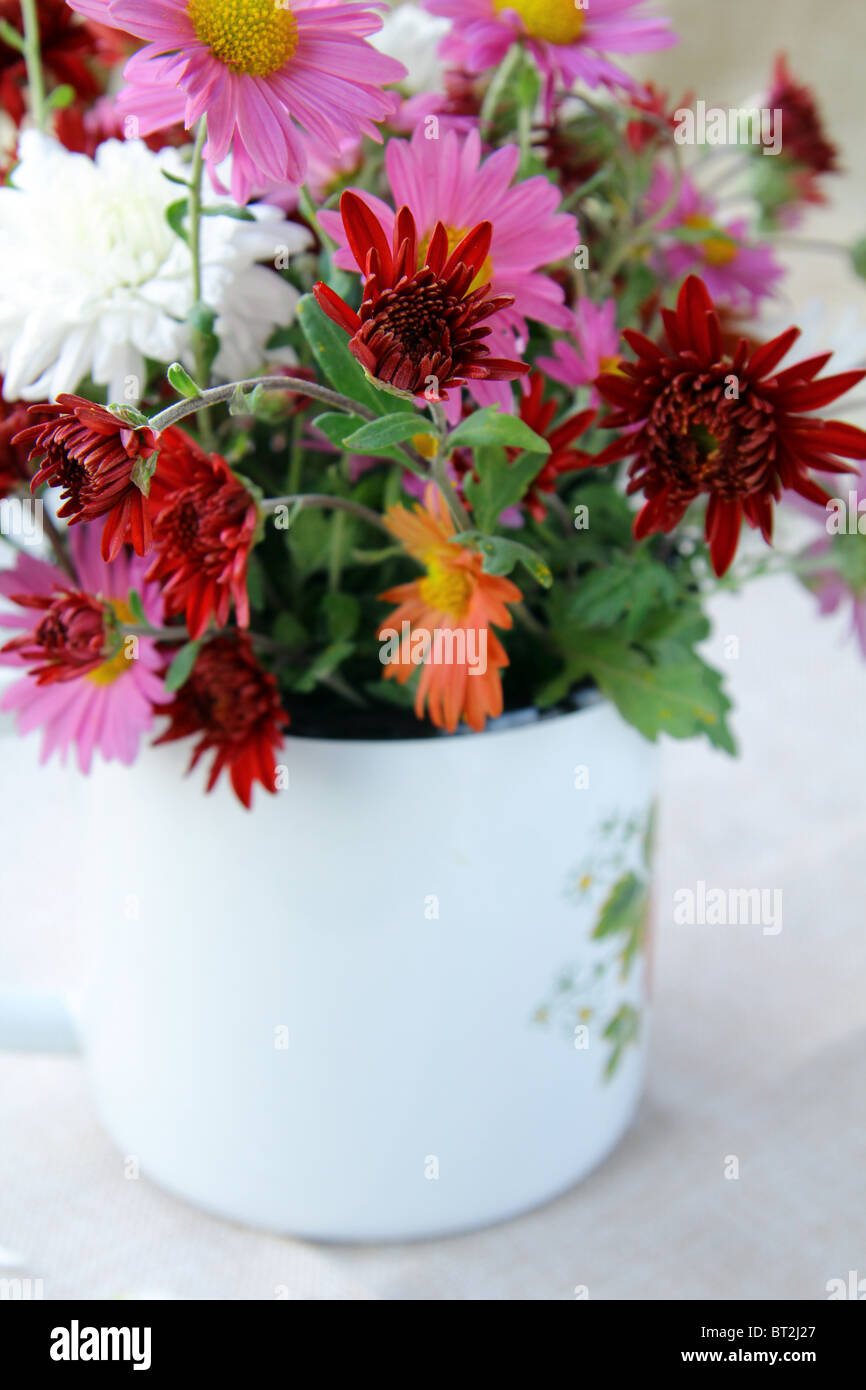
x: 443, y: 621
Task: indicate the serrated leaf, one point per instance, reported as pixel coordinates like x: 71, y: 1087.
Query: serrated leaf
x: 393, y: 429
x: 329, y: 345
x: 180, y: 379
x: 181, y: 668
x: 493, y: 426
x: 499, y: 484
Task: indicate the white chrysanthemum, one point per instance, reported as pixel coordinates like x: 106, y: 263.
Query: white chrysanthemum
x: 412, y: 36
x: 93, y: 280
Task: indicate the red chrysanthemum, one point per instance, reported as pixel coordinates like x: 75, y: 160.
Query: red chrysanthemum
x: 64, y: 41
x: 14, y: 470
x: 103, y: 464
x: 539, y: 414
x: 233, y: 706
x: 803, y: 138
x: 702, y: 422
x: 204, y: 524
x: 68, y: 642
x: 419, y: 329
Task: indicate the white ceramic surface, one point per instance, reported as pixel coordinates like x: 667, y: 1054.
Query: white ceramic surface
x: 281, y: 1029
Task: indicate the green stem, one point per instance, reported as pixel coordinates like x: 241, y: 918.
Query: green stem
x: 501, y: 77
x: 335, y: 556
x: 33, y: 59
x: 202, y: 371
x: 325, y: 500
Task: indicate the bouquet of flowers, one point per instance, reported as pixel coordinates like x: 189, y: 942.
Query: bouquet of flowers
x: 377, y: 377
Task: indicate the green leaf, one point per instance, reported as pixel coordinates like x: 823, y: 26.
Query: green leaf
x: 11, y: 36
x: 625, y: 591
x: 136, y: 608
x: 229, y: 210
x: 324, y: 665
x: 682, y: 697
x: 174, y: 178
x: 394, y: 429
x: 858, y: 257
x: 142, y: 472
x: 624, y: 914
x: 255, y: 582
x: 342, y: 615
x: 499, y: 484
x: 289, y: 631
x: 182, y: 382
x: 329, y: 345
x: 338, y: 427
x: 493, y: 426
x: 174, y: 216
x: 501, y: 555
x: 180, y: 669
x: 622, y: 1030
x: 60, y: 98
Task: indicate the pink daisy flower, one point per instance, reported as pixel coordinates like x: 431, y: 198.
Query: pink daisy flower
x: 568, y: 41
x: 257, y: 69
x: 734, y: 271
x: 592, y: 349
x: 71, y: 690
x: 841, y: 584
x: 447, y: 180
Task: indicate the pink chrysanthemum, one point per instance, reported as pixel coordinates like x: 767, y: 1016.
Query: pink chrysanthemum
x: 593, y: 347
x: 568, y: 41
x: 446, y: 180
x: 735, y: 272
x: 842, y: 544
x: 102, y: 706
x: 255, y: 68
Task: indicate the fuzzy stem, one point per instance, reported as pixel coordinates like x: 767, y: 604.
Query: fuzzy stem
x: 202, y: 370
x: 33, y: 59
x: 325, y: 500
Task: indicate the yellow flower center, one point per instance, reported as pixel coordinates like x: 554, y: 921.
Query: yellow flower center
x: 455, y: 236
x: 252, y: 36
x: 716, y: 250
x: 446, y: 589
x: 120, y: 663
x: 557, y: 21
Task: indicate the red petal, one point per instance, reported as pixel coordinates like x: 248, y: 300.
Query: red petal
x: 338, y: 312
x: 365, y: 233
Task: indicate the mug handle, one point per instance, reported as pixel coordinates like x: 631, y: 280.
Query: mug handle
x: 34, y: 1022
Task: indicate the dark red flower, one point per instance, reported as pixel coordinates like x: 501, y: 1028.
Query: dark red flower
x: 103, y: 464
x: 14, y: 469
x: 702, y: 422
x: 65, y: 42
x: 232, y: 705
x: 68, y: 642
x: 659, y: 118
x: 539, y: 414
x: 419, y: 329
x: 803, y: 137
x: 204, y: 524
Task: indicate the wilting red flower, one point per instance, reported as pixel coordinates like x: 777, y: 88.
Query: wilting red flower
x: 68, y: 642
x: 14, y: 417
x: 644, y: 130
x: 204, y: 524
x: 419, y: 328
x: 703, y: 422
x: 101, y: 462
x: 538, y: 414
x: 232, y: 705
x: 64, y: 44
x: 804, y: 139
